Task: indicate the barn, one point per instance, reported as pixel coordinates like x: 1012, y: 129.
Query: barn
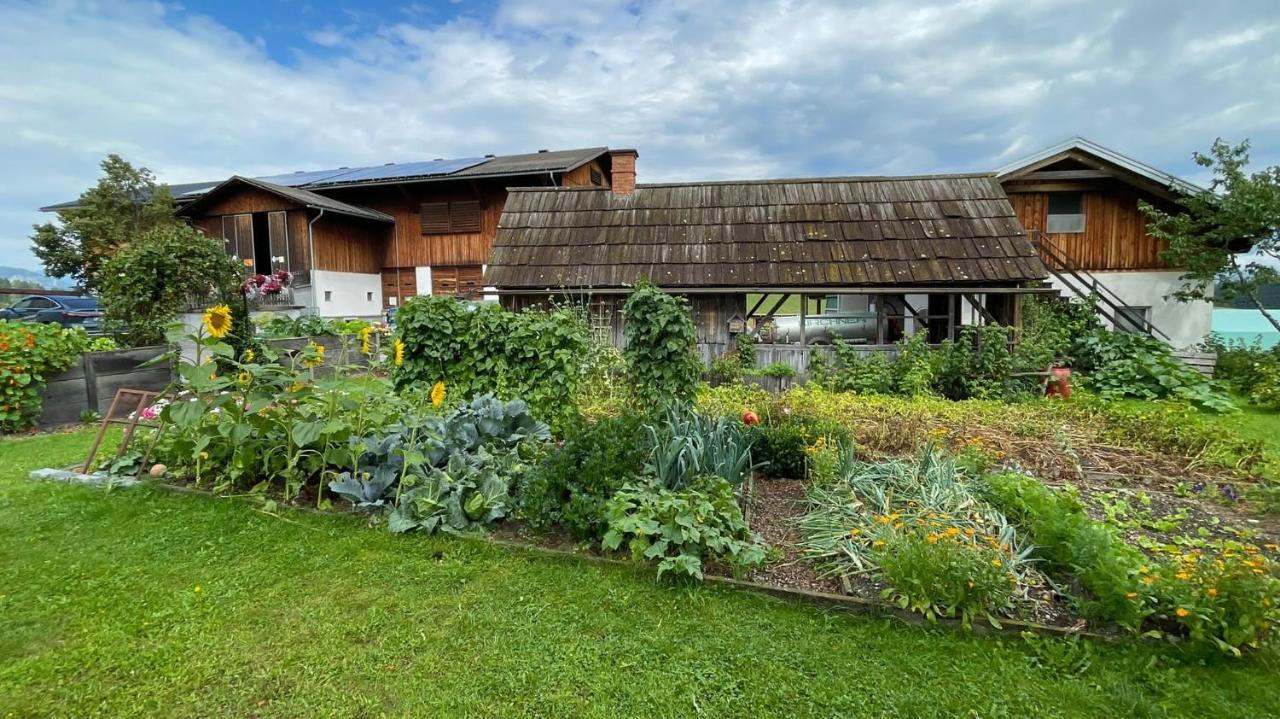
x: 869, y: 259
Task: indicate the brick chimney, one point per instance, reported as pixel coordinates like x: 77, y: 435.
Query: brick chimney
x: 622, y: 178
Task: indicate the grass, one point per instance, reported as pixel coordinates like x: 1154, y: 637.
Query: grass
x: 142, y: 602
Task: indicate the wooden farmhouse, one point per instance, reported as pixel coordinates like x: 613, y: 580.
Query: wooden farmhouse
x: 803, y: 261
x: 359, y: 240
x: 1078, y: 202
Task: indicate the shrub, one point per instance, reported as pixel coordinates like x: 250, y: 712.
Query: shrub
x: 941, y: 575
x: 534, y: 355
x: 661, y: 352
x: 1124, y: 364
x: 1238, y: 362
x: 1266, y: 387
x: 912, y: 369
x: 780, y: 448
x: 30, y: 353
x: 681, y: 528
x: 726, y: 369
x: 146, y: 283
x: 776, y: 369
x: 853, y: 371
x: 978, y: 365
x: 1052, y: 330
x: 572, y: 484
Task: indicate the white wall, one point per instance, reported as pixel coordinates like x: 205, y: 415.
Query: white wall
x: 424, y: 280
x: 1186, y: 323
x: 349, y: 294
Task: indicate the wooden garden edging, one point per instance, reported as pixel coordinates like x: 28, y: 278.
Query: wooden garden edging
x: 838, y: 602
x: 91, y: 383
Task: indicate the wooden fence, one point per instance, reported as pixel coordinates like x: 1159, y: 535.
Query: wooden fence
x: 797, y: 357
x: 91, y: 383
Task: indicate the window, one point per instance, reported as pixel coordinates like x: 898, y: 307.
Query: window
x: 1133, y: 319
x: 446, y: 218
x: 1066, y: 212
x: 596, y: 178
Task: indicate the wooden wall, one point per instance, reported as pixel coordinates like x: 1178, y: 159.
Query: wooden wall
x: 581, y: 176
x: 407, y: 246
x: 711, y: 315
x: 347, y: 245
x: 249, y: 199
x: 1115, y: 236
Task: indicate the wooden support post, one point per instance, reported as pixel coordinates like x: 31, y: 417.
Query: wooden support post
x: 804, y: 312
x: 90, y: 382
x: 879, y: 319
x: 953, y: 316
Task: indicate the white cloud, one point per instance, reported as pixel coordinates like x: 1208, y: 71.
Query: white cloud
x: 712, y: 90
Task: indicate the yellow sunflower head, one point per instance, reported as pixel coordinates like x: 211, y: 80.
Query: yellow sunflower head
x: 217, y: 321
x: 437, y: 394
x: 398, y: 355
x: 248, y: 355
x: 313, y: 355
x: 244, y: 378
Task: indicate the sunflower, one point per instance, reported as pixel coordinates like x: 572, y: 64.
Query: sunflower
x: 244, y: 378
x: 437, y: 394
x: 313, y: 355
x: 217, y: 320
x: 365, y: 346
x: 248, y: 355
x: 399, y: 352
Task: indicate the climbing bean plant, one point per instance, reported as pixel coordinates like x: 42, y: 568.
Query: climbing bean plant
x: 534, y: 355
x: 661, y: 353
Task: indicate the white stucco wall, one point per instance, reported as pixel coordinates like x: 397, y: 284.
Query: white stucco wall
x: 1186, y: 323
x: 423, y: 277
x: 347, y: 294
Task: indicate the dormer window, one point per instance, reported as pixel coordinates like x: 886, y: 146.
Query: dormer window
x: 1066, y: 213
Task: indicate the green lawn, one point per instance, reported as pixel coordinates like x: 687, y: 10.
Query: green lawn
x: 142, y: 602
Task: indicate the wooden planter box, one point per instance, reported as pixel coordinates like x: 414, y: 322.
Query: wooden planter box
x: 91, y: 383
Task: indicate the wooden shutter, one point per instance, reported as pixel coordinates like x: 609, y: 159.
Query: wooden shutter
x: 464, y: 217
x: 278, y: 229
x: 229, y: 234
x: 244, y: 238
x: 435, y: 218
x: 466, y: 281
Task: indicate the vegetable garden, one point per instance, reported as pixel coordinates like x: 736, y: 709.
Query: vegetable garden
x: 935, y: 483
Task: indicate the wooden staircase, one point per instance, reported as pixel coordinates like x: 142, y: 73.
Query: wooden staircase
x: 1081, y: 283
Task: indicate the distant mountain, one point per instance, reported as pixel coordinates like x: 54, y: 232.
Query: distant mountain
x: 46, y: 282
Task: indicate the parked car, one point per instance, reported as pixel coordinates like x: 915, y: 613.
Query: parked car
x: 57, y: 309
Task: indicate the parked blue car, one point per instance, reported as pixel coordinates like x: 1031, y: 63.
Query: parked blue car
x: 66, y: 311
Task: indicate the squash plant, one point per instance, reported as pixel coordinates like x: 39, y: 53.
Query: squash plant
x: 30, y: 352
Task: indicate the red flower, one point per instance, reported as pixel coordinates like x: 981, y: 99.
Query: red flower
x: 750, y: 417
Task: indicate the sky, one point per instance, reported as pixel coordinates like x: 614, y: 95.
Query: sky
x: 714, y: 89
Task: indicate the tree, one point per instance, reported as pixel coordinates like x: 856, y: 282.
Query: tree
x: 148, y: 282
x: 1239, y: 211
x: 124, y: 204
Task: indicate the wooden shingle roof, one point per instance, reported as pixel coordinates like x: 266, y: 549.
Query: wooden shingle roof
x: 824, y: 232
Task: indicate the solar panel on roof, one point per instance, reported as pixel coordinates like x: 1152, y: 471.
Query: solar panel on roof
x: 403, y: 170
x: 306, y: 177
